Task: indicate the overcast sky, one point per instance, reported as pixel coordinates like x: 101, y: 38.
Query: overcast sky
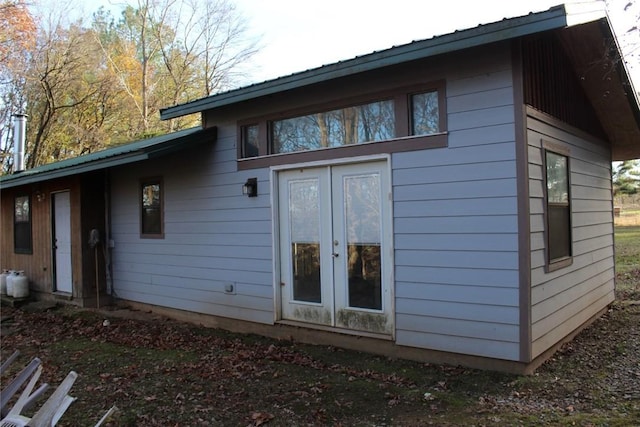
x: 301, y: 34
x: 297, y: 35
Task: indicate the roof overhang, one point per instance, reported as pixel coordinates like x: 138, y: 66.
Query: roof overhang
x: 593, y: 49
x: 586, y: 34
x: 116, y: 156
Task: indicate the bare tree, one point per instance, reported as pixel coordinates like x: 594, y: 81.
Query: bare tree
x: 225, y: 46
x: 57, y: 83
x: 85, y: 88
x: 203, y: 43
x: 626, y: 14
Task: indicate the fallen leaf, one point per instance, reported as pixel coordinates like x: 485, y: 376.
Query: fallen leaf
x: 260, y: 418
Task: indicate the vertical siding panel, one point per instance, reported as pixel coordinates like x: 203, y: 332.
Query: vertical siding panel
x: 38, y: 265
x: 455, y: 224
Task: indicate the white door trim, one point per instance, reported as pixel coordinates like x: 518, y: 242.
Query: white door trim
x: 388, y: 254
x: 275, y: 219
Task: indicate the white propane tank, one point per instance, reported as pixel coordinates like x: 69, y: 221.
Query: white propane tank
x: 3, y: 282
x: 20, y: 285
x: 10, y: 277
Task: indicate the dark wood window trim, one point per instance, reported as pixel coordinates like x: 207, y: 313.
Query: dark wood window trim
x: 22, y: 228
x: 401, y: 97
x: 159, y: 234
x: 564, y: 261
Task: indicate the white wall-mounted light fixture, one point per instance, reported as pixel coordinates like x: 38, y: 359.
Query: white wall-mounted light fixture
x: 250, y: 188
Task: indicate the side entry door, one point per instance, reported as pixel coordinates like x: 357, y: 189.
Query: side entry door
x: 63, y: 281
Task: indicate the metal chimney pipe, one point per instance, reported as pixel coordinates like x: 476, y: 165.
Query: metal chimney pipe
x: 19, y: 136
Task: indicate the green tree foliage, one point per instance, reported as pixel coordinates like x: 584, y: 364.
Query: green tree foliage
x: 626, y: 177
x: 88, y: 86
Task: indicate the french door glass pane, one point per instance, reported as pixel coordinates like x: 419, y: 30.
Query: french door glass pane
x: 304, y: 229
x: 362, y: 221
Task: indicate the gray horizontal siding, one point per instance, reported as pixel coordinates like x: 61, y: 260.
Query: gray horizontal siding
x: 462, y: 344
x: 455, y: 224
x: 564, y: 299
x: 213, y: 236
x: 198, y: 306
x: 457, y: 275
x: 457, y: 242
x: 504, y: 224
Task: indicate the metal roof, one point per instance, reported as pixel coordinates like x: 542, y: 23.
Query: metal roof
x: 116, y: 156
x: 554, y: 18
x: 584, y: 26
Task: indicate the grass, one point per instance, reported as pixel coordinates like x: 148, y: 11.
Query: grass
x: 628, y: 217
x: 627, y: 248
x: 628, y: 262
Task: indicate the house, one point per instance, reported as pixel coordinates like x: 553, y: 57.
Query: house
x: 446, y: 200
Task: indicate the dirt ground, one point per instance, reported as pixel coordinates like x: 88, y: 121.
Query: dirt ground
x: 161, y: 372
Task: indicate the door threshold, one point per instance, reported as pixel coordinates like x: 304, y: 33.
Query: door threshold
x: 62, y: 295
x: 335, y: 329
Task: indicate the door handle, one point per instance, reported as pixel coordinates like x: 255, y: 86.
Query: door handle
x: 335, y: 255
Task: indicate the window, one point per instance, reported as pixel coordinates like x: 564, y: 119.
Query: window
x: 151, y: 211
x: 22, y: 242
x: 250, y: 145
x: 397, y: 120
x: 425, y: 117
x: 558, y: 210
x: 351, y: 125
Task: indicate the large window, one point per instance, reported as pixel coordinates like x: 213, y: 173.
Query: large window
x: 151, y: 208
x: 351, y: 125
x: 558, y: 210
x: 401, y: 120
x: 22, y: 241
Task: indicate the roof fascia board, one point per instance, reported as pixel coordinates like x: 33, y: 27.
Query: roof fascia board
x: 583, y: 12
x: 507, y: 29
x: 165, y: 146
x: 73, y: 170
x: 633, y: 95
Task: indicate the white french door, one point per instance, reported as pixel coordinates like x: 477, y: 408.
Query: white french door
x: 335, y: 246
